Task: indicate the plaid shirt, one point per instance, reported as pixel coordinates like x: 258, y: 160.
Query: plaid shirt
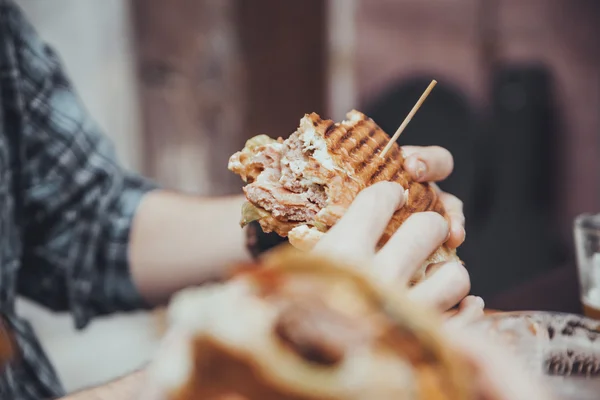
x: 65, y: 205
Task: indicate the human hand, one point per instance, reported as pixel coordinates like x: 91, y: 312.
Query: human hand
x: 354, y: 239
x: 433, y: 164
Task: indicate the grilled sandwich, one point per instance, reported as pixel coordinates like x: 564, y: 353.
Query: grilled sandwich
x: 300, y: 187
x: 300, y: 327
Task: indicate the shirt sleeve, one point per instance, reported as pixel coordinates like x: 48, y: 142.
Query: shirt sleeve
x: 78, y: 202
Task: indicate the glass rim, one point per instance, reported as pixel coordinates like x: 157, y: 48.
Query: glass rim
x: 588, y: 222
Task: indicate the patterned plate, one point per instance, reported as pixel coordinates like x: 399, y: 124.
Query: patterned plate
x: 563, y: 348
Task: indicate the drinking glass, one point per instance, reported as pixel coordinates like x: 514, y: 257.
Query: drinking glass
x: 587, y: 245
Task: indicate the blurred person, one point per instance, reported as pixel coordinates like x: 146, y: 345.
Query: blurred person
x: 78, y: 233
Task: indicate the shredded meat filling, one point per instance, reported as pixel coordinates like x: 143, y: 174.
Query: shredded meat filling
x: 282, y: 203
x: 282, y: 188
x: 294, y: 168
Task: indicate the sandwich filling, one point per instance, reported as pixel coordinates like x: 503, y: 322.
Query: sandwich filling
x: 292, y: 181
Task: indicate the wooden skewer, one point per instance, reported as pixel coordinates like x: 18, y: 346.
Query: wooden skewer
x: 408, y: 118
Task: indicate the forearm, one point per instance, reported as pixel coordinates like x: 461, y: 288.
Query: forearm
x: 127, y: 388
x: 181, y: 240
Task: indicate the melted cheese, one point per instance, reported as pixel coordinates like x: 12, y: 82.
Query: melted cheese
x: 297, y: 166
x: 311, y: 141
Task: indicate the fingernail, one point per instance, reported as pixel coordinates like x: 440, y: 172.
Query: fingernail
x: 403, y: 153
x: 397, y: 187
x: 480, y: 302
x: 401, y: 195
x: 387, y: 185
x: 421, y: 170
x: 404, y: 200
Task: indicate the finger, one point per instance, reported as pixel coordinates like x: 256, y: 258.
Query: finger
x: 455, y: 311
x: 469, y: 310
x: 428, y: 164
x: 444, y: 289
x: 361, y: 227
x: 454, y: 211
x: 410, y: 246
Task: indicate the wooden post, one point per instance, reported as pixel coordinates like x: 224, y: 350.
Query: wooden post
x: 284, y: 45
x: 216, y: 72
x: 191, y: 90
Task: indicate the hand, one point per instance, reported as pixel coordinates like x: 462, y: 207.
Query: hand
x: 354, y: 238
x: 434, y: 164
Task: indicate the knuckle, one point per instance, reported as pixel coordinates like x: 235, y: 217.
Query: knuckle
x: 452, y: 204
x: 454, y: 201
x: 459, y: 278
x: 404, y: 151
x: 369, y: 198
x: 386, y: 194
x: 459, y: 202
x: 456, y: 216
x: 434, y: 222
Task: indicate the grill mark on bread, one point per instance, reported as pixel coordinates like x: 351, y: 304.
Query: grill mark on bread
x: 370, y: 169
x: 315, y: 119
x: 362, y: 164
x: 338, y: 144
x: 394, y: 153
x: 377, y: 172
x: 330, y: 129
x: 381, y: 141
x: 363, y: 141
x: 353, y: 131
x: 359, y: 145
x: 387, y: 168
x: 424, y: 201
x: 396, y: 175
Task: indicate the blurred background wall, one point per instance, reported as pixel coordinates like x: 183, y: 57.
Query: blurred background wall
x: 181, y: 84
x: 465, y: 42
x: 518, y: 107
